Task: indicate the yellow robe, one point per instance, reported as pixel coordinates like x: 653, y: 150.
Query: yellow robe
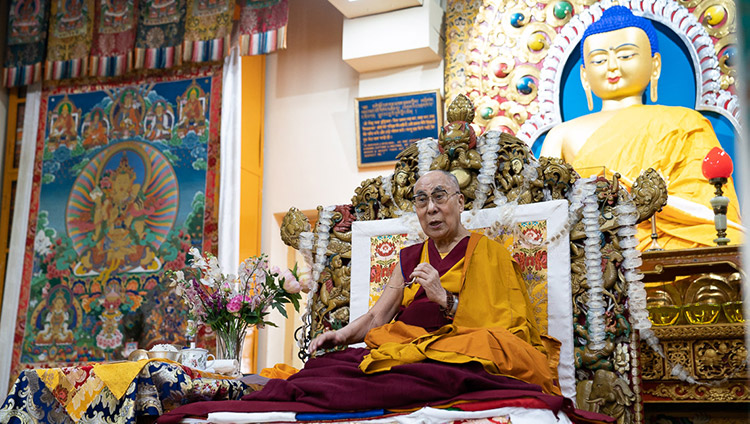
x: 494, y: 324
x: 673, y: 141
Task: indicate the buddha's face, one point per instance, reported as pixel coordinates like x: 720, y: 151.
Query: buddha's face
x: 619, y: 63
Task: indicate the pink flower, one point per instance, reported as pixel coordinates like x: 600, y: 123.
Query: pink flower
x: 235, y: 304
x: 291, y: 285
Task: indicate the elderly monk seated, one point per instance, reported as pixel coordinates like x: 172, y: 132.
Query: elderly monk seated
x: 620, y: 54
x: 453, y: 325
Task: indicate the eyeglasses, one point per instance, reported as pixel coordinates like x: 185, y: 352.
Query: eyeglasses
x: 438, y: 197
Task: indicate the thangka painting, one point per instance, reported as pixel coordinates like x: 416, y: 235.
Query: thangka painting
x: 124, y: 184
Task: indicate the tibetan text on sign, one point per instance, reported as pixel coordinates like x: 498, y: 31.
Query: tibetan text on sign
x: 386, y: 125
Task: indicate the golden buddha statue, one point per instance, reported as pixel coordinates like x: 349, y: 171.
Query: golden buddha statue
x: 620, y: 55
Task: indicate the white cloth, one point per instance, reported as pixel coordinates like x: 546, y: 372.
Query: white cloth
x: 426, y: 415
x: 17, y: 247
x: 250, y: 417
x: 230, y: 162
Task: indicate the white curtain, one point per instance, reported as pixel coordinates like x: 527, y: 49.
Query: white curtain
x: 14, y: 269
x: 230, y: 160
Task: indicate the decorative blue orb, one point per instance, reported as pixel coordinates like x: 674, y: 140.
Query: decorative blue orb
x: 730, y: 55
x: 516, y: 20
x: 525, y: 85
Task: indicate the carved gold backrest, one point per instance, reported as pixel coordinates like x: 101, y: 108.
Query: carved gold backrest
x: 496, y: 174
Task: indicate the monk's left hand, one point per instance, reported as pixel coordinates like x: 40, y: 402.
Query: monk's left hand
x: 426, y: 275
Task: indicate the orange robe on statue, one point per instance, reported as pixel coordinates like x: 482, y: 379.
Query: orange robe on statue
x: 673, y: 141
x: 494, y: 323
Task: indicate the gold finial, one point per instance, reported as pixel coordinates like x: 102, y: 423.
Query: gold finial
x: 461, y: 109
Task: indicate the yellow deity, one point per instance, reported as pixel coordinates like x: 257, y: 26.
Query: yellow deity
x: 620, y: 59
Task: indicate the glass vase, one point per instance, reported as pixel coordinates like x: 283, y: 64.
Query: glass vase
x: 229, y: 346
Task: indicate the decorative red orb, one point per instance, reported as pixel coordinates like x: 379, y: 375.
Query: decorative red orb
x: 717, y: 164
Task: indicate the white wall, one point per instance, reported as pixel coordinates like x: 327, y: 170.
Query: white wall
x: 310, y: 144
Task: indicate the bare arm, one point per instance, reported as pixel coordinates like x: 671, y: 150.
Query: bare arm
x: 381, y: 313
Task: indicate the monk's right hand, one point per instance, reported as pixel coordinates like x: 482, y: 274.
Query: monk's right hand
x: 327, y: 340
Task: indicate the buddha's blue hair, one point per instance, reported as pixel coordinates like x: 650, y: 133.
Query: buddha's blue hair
x: 619, y: 17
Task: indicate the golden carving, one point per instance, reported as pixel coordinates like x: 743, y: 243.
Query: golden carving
x: 653, y: 368
x: 706, y: 359
x: 513, y: 155
x: 718, y: 17
x: 719, y: 331
x: 649, y: 193
x: 334, y: 291
x: 730, y: 392
x: 457, y: 142
x: 607, y: 394
x: 558, y: 176
x: 678, y: 353
x: 713, y: 356
x: 294, y: 223
x: 366, y: 199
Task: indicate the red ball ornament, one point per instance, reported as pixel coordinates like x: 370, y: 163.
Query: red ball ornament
x: 717, y: 164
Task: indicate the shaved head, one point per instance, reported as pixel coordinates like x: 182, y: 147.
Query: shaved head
x: 451, y: 180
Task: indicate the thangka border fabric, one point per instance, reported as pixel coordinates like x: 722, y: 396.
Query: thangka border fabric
x: 125, y: 182
x: 27, y: 40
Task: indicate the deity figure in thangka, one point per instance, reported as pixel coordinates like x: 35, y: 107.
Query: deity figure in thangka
x: 56, y: 323
x: 159, y: 121
x: 116, y: 14
x: 109, y: 336
x: 95, y: 129
x: 118, y: 224
x: 64, y: 126
x: 127, y: 113
x: 159, y: 10
x: 25, y: 20
x: 71, y: 19
x: 192, y: 111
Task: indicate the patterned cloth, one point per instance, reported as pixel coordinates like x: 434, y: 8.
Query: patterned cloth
x: 105, y: 38
x: 263, y: 26
x: 70, y: 395
x: 208, y: 30
x: 161, y: 28
x: 70, y: 36
x: 27, y: 38
x: 114, y: 38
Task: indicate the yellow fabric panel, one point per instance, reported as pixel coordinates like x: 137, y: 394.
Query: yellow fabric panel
x: 494, y: 325
x: 118, y: 376
x: 673, y: 141
x: 451, y: 280
x: 498, y: 296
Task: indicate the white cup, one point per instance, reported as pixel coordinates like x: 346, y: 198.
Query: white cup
x: 196, y: 358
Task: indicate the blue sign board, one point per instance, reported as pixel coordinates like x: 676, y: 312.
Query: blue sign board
x: 386, y: 125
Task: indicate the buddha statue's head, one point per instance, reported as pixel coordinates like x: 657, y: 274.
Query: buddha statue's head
x: 620, y: 55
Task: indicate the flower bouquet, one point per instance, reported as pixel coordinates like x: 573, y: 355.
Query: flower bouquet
x: 229, y: 303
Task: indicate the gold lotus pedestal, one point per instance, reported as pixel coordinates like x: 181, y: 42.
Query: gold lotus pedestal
x: 694, y: 303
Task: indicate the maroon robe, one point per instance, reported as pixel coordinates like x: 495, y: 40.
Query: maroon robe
x: 334, y: 382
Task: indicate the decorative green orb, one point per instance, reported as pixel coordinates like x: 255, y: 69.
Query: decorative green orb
x: 562, y: 9
x: 487, y: 112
